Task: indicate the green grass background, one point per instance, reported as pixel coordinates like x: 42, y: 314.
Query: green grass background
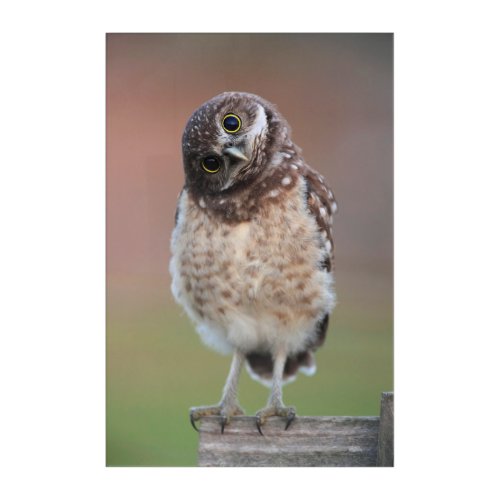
x: 157, y: 368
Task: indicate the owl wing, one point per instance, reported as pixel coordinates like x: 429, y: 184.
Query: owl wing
x: 322, y: 204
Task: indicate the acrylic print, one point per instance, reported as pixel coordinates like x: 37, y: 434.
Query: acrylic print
x: 249, y: 249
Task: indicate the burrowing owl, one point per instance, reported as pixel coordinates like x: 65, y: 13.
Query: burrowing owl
x: 252, y: 249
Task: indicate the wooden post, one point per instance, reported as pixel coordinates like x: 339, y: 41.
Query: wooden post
x: 385, y: 455
x: 309, y: 442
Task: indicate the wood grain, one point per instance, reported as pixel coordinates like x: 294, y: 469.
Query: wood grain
x: 385, y: 455
x: 309, y: 442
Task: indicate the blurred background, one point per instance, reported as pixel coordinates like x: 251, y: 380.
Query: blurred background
x: 336, y: 91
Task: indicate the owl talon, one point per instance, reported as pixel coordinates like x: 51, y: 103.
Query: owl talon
x: 274, y: 411
x: 290, y: 418
x: 223, y: 421
x: 191, y: 418
x: 257, y: 421
x: 225, y: 412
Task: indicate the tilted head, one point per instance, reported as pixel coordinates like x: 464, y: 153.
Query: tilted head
x: 230, y: 140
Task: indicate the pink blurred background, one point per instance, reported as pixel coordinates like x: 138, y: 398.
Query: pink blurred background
x: 335, y: 91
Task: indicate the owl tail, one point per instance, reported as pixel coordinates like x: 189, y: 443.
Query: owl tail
x: 260, y: 366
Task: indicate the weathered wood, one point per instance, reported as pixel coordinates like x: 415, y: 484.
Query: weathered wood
x: 309, y: 442
x: 385, y: 455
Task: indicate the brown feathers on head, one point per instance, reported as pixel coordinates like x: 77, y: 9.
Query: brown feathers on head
x: 229, y: 140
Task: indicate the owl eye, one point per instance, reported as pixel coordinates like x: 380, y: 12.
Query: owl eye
x: 231, y: 123
x: 211, y: 164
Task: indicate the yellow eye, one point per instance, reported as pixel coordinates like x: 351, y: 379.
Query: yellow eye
x: 211, y: 164
x: 231, y: 123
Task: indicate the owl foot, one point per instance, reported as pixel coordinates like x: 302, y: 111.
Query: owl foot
x: 274, y: 411
x: 224, y: 411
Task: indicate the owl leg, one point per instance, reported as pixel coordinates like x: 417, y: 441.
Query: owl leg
x: 228, y: 405
x: 275, y: 406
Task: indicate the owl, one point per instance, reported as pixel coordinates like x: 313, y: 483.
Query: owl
x: 252, y: 248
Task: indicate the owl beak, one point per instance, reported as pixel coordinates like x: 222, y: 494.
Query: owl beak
x: 236, y: 153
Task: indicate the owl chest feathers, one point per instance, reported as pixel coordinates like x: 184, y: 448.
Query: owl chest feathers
x: 256, y: 284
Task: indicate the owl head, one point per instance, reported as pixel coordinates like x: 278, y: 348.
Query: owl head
x: 230, y: 140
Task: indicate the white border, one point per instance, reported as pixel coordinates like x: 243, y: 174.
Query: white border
x: 447, y: 248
